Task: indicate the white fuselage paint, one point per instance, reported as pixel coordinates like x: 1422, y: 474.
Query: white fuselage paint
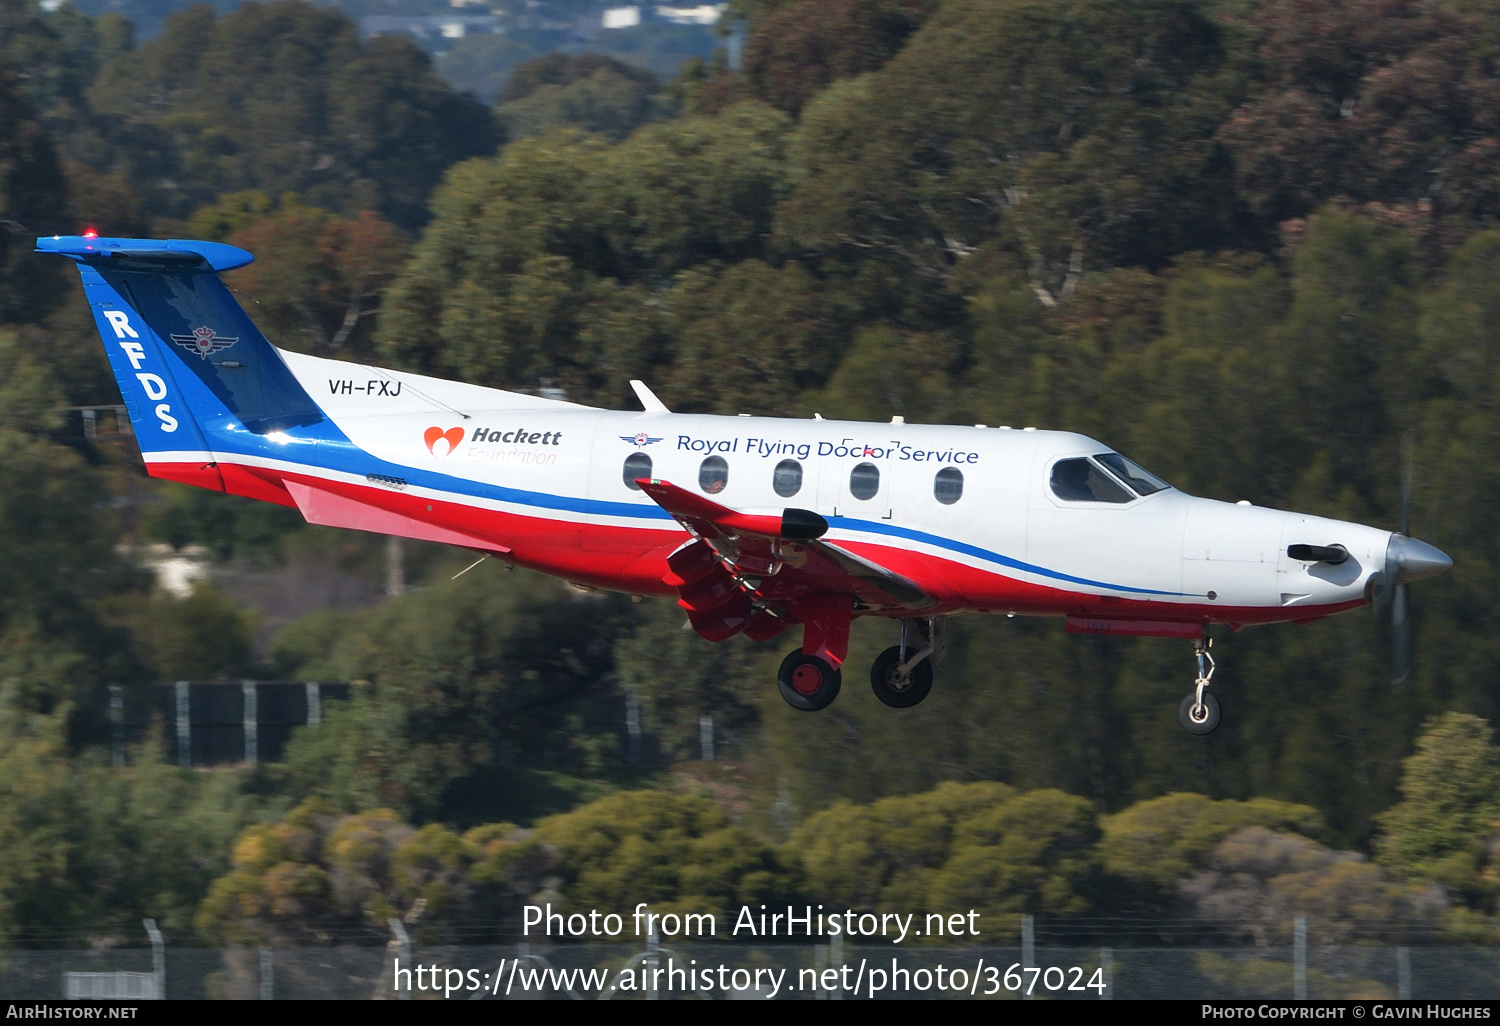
x: 1175, y: 551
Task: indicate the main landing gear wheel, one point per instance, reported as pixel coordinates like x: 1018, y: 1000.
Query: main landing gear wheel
x: 807, y: 682
x: 896, y: 689
x: 1196, y: 718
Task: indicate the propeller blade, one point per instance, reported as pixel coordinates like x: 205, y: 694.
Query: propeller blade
x: 1380, y: 598
x: 1400, y: 637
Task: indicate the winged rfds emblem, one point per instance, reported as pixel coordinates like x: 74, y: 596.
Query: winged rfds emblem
x: 204, y: 341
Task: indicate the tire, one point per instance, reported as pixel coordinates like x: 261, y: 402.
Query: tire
x: 898, y: 694
x: 1211, y: 719
x: 807, y: 683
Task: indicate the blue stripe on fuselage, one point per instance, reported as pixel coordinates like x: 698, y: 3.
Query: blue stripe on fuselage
x: 336, y: 452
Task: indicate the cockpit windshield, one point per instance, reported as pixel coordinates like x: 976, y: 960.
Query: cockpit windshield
x: 1143, y: 481
x: 1081, y: 480
x: 1103, y: 479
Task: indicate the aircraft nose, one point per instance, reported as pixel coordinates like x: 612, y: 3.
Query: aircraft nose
x: 1412, y: 560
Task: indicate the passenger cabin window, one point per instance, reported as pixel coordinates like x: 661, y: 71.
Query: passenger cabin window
x: 864, y: 481
x: 787, y: 478
x: 948, y: 486
x: 713, y: 475
x: 637, y: 464
x: 1083, y: 480
x: 1143, y: 481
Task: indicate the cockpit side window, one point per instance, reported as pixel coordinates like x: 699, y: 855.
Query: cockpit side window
x: 1082, y: 480
x: 1132, y: 473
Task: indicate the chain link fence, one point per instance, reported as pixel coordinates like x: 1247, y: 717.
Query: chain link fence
x: 728, y: 970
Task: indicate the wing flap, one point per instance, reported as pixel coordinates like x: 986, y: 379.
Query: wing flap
x: 784, y: 551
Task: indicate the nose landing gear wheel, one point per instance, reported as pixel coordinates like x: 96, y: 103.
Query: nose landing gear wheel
x: 808, y: 683
x: 895, y: 689
x: 1197, y: 719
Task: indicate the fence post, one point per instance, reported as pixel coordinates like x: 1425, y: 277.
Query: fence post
x: 403, y: 951
x: 706, y: 737
x: 1299, y: 958
x: 267, y: 986
x: 1403, y: 973
x: 117, y: 725
x: 653, y: 960
x: 184, y: 726
x: 252, y: 724
x: 314, y: 702
x: 1028, y: 947
x: 632, y: 728
x: 836, y: 961
x: 158, y: 958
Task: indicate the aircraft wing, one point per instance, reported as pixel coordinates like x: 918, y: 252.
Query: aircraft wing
x: 773, y: 558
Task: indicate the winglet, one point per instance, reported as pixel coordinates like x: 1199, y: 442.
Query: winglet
x: 648, y: 398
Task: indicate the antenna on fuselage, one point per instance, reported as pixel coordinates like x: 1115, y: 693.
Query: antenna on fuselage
x: 648, y: 398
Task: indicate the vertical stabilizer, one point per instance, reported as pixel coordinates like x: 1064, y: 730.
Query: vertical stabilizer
x: 189, y: 361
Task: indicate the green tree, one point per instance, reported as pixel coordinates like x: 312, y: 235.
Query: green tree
x: 309, y: 108
x: 32, y: 201
x: 1033, y: 853
x: 1161, y: 840
x: 91, y: 849
x: 536, y: 261
x: 677, y: 678
x: 451, y: 680
x: 1052, y: 138
x: 320, y: 877
x: 201, y: 636
x: 793, y: 50
x: 58, y: 561
x: 1444, y: 827
x: 588, y: 91
x: 677, y: 853
x: 884, y: 855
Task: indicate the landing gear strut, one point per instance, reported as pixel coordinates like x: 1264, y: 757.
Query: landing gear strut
x: 1199, y: 712
x: 902, y: 674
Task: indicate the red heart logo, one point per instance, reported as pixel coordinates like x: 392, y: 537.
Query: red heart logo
x: 453, y: 436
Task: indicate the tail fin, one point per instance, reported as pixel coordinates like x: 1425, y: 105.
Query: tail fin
x: 188, y: 360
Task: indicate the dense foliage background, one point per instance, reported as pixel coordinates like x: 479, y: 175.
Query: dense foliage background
x: 1255, y: 244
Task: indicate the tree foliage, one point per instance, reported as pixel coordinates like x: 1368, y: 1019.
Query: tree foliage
x: 1444, y: 827
x: 450, y: 680
x: 32, y: 199
x: 285, y: 97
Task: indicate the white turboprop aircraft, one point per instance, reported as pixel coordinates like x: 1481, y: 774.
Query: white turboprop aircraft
x: 753, y: 524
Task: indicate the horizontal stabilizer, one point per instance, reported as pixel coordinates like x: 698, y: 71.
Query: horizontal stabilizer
x: 218, y: 256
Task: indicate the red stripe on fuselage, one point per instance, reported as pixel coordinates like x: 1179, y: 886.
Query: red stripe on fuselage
x: 634, y: 559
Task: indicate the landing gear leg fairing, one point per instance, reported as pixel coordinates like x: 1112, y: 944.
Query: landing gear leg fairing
x: 754, y: 525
